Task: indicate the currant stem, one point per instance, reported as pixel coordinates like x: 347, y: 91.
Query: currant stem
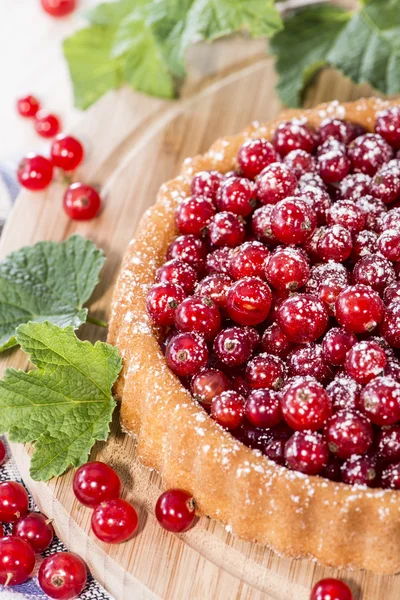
x: 9, y: 578
x: 97, y: 322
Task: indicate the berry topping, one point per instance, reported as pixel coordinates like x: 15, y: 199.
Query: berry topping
x: 193, y: 215
x: 293, y: 221
x: 227, y: 409
x: 175, y: 510
x: 249, y: 301
x: 305, y: 404
x: 236, y: 195
x: 302, y: 318
x: 275, y: 183
x: 254, y: 156
x: 306, y: 452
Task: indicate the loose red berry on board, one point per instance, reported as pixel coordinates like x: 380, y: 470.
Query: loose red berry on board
x: 348, y: 432
x: 114, y: 521
x: 207, y: 384
x: 66, y: 152
x: 28, y: 106
x: 35, y: 172
x: 302, y: 318
x: 186, y: 354
x: 46, y: 124
x: 359, y: 309
x: 306, y: 452
x: 62, y: 576
x: 380, y: 401
x: 81, y: 202
x: 305, y: 404
x: 227, y: 409
x: 249, y: 301
x: 175, y: 510
x: 254, y: 156
x: 14, y: 501
x: 293, y: 221
x: 96, y: 482
x: 59, y: 8
x: 162, y: 301
x: 36, y: 529
x: 17, y: 561
x: 331, y: 589
x: 3, y: 453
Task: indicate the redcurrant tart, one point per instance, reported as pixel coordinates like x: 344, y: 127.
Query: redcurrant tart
x: 114, y: 521
x: 17, y: 561
x: 62, y: 576
x: 67, y: 152
x: 96, y: 482
x: 14, y: 501
x: 36, y: 529
x: 28, y: 106
x: 35, y: 172
x: 175, y: 510
x: 59, y: 8
x: 81, y: 202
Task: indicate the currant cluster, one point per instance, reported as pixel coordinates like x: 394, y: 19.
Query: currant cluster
x: 35, y: 172
x: 279, y: 299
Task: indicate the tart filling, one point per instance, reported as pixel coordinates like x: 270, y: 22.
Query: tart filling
x: 267, y: 276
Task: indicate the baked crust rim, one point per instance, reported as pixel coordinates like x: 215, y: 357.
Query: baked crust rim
x: 295, y: 514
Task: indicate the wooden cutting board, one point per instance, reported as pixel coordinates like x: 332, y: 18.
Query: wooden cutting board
x: 134, y: 144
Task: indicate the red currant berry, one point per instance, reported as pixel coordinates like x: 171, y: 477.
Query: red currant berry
x: 300, y: 162
x: 3, y: 453
x: 162, y: 301
x: 365, y: 361
x: 274, y: 341
x: 336, y: 344
x: 388, y: 443
x: 36, y: 529
x: 354, y: 186
x: 96, y: 482
x: 335, y: 243
x: 302, y: 318
x: 175, y: 510
x: 287, y: 268
x: 348, y: 432
x: 254, y: 156
x: 28, y: 106
x: 114, y: 521
x: 179, y: 273
x: 375, y: 271
x: 206, y: 183
x: 233, y: 346
x: 249, y: 301
x: 390, y: 327
x: 261, y: 225
x: 35, y: 172
x: 374, y: 211
x: 219, y: 261
x: 347, y: 214
x: 390, y: 478
x: 189, y: 249
x: 239, y: 384
x: 319, y: 200
x: 216, y: 288
x: 193, y: 215
x: 359, y: 470
x: 336, y: 129
x: 389, y: 244
x: 62, y: 576
x: 365, y: 242
x: 14, y: 501
x: 226, y: 229
x: 227, y: 409
x: 308, y: 361
x: 17, y: 561
x: 388, y: 125
x: 207, y: 384
x: 331, y: 589
x: 380, y: 401
x: 265, y: 371
x: 81, y: 202
x: 306, y: 452
x: 368, y: 153
x: 59, y: 8
x: 263, y: 408
x: 333, y: 166
x: 293, y: 135
x: 344, y: 393
x: 359, y: 309
x: 293, y: 221
x: 66, y: 152
x: 237, y: 195
x: 198, y: 315
x: 248, y: 260
x: 386, y: 184
x: 275, y: 183
x: 305, y: 404
x: 46, y: 125
x: 186, y: 354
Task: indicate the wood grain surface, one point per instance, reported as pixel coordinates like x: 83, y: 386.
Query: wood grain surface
x: 134, y: 144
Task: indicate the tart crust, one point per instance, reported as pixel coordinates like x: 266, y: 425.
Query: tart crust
x: 295, y: 514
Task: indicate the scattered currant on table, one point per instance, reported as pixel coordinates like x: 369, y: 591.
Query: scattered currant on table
x: 36, y: 529
x: 279, y: 304
x: 28, y: 106
x: 3, y: 453
x: 175, y: 510
x: 114, y: 521
x: 14, y: 501
x: 17, y: 561
x: 59, y: 8
x: 95, y: 482
x: 66, y: 152
x: 47, y: 125
x: 35, y: 172
x: 62, y: 576
x: 331, y: 589
x: 81, y: 202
